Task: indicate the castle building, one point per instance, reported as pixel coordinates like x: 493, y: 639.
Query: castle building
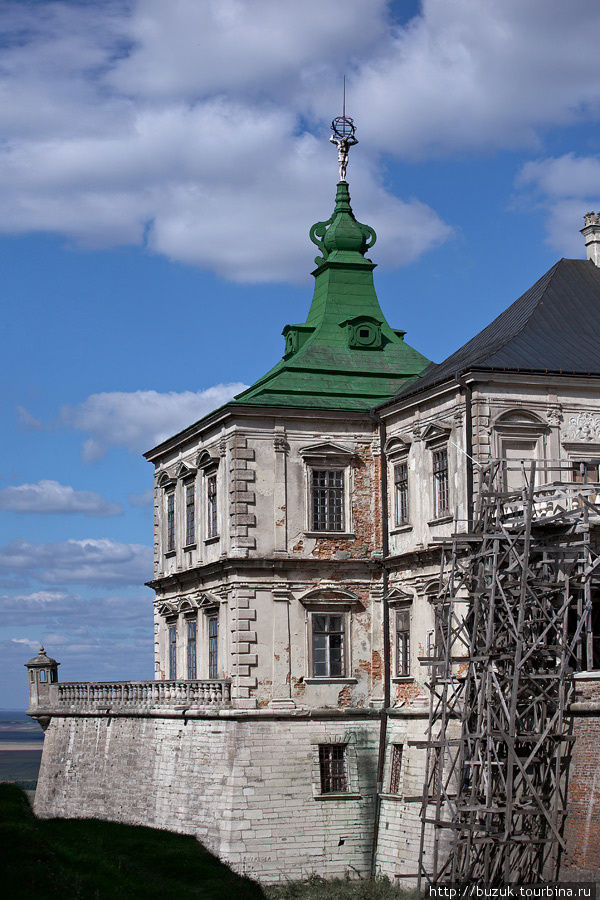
x: 297, y: 535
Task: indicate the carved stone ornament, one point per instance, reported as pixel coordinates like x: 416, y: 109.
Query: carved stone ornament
x: 554, y: 415
x: 585, y: 426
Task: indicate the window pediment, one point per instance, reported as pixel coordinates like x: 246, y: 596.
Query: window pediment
x: 328, y: 595
x: 328, y: 453
x: 398, y: 597
x: 164, y: 480
x: 207, y: 461
x: 398, y: 445
x: 436, y: 433
x: 520, y: 422
x: 184, y: 471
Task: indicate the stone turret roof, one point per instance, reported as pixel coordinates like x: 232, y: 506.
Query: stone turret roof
x: 345, y: 356
x: 41, y: 661
x: 553, y: 328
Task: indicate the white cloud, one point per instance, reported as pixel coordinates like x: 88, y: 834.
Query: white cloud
x: 26, y: 641
x: 139, y: 420
x: 52, y: 497
x: 27, y: 421
x: 143, y: 499
x: 92, y: 561
x: 189, y: 127
x: 566, y: 187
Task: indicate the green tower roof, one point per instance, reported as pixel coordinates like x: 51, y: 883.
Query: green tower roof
x: 345, y: 356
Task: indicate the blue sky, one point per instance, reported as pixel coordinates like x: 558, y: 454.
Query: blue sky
x: 160, y: 167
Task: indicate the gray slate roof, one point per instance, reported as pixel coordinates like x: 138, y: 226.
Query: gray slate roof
x: 554, y: 327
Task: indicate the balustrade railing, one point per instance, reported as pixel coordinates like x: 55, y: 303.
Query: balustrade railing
x: 140, y: 694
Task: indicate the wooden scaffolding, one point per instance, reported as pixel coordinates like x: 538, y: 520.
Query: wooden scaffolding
x: 513, y: 622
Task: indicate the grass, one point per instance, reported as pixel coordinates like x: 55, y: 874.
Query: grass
x: 317, y: 888
x: 87, y: 858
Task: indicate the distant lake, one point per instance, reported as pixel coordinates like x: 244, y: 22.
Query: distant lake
x: 21, y: 742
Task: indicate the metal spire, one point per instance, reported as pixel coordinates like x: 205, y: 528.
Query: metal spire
x: 343, y: 136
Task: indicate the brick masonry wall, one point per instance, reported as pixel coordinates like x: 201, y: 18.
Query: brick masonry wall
x: 582, y: 828
x: 247, y: 788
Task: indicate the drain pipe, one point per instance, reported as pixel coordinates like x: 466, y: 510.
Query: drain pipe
x: 385, y: 547
x: 469, y: 445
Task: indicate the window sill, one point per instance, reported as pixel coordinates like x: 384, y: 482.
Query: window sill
x: 189, y: 547
x: 213, y: 540
x: 338, y: 535
x: 324, y: 679
x: 587, y: 675
x: 388, y: 796
x: 345, y: 795
x: 170, y: 554
x: 403, y: 679
x: 443, y: 520
x: 400, y: 529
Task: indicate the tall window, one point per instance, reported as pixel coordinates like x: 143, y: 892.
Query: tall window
x: 213, y: 634
x: 190, y: 514
x: 441, y: 504
x: 327, y: 500
x: 172, y: 652
x: 211, y: 505
x: 191, y: 649
x: 396, y: 768
x: 401, y: 493
x: 327, y: 645
x: 402, y: 643
x: 171, y: 520
x: 334, y: 768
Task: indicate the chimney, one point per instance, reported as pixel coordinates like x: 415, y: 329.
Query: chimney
x: 591, y: 233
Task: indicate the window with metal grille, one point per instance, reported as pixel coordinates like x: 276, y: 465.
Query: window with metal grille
x: 211, y: 503
x: 334, y: 768
x: 586, y: 472
x: 327, y: 646
x: 191, y: 649
x: 190, y: 514
x: 402, y: 643
x: 440, y: 483
x: 327, y: 500
x: 401, y: 493
x: 396, y: 768
x: 213, y: 634
x: 586, y: 649
x: 171, y: 521
x: 172, y: 652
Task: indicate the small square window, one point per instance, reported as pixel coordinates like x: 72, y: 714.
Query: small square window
x: 328, y: 634
x: 334, y: 768
x: 327, y: 495
x: 396, y: 768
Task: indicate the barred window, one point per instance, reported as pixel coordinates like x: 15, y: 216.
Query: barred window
x: 213, y: 634
x: 334, y: 768
x: 191, y: 649
x: 171, y: 520
x: 585, y: 472
x: 402, y: 643
x: 172, y: 652
x: 396, y: 768
x: 401, y: 493
x: 211, y: 500
x: 441, y: 503
x: 190, y: 514
x: 327, y: 646
x: 327, y: 500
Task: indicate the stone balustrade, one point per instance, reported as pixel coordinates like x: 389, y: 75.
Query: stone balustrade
x: 138, y: 695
